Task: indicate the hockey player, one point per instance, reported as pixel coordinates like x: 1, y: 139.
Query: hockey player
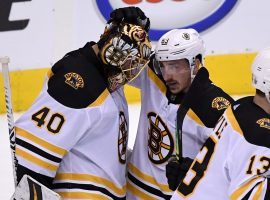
x: 180, y: 53
x: 234, y: 163
x: 73, y: 138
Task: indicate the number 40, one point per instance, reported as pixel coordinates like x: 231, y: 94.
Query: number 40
x: 55, y: 122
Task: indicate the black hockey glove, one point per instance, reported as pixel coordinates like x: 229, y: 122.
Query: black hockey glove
x: 176, y: 171
x: 132, y: 15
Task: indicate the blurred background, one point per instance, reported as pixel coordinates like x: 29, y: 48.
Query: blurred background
x: 35, y: 34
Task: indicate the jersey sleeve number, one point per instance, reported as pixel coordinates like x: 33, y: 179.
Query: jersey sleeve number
x: 198, y: 168
x: 200, y: 164
x: 264, y: 164
x: 54, y: 123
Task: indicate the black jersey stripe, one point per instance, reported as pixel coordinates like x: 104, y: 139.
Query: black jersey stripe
x: 246, y: 197
x: 37, y: 150
x: 147, y: 188
x: 89, y: 187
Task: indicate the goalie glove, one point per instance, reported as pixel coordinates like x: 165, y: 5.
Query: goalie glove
x: 176, y: 171
x: 131, y: 15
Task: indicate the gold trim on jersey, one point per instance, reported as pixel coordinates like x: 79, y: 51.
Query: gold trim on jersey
x: 100, y: 99
x: 82, y: 195
x: 157, y: 81
x: 120, y: 191
x: 35, y: 160
x: 233, y: 121
x: 146, y: 178
x: 23, y: 133
x: 193, y: 116
x: 244, y: 189
x: 50, y: 73
x: 258, y: 192
x: 138, y: 193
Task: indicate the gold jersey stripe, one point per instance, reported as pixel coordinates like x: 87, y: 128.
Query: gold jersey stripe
x: 92, y: 178
x: 240, y: 191
x: 233, y: 121
x: 193, y: 116
x: 35, y: 160
x: 147, y: 178
x: 258, y: 193
x: 35, y: 193
x: 157, y: 81
x: 49, y: 73
x: 100, y: 99
x: 39, y: 141
x: 82, y: 195
x: 138, y: 193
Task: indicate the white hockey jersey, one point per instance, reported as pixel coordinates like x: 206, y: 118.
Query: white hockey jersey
x: 78, y: 151
x: 155, y: 140
x: 234, y: 163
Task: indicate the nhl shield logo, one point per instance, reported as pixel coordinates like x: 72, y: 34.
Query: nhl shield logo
x: 220, y: 103
x: 164, y: 41
x: 74, y: 80
x: 186, y: 36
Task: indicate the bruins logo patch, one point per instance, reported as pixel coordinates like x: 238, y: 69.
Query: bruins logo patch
x: 160, y: 141
x: 264, y: 123
x: 220, y: 103
x: 122, y: 138
x: 74, y: 80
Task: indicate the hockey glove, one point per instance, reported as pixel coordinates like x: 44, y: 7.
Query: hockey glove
x: 132, y: 15
x: 176, y: 171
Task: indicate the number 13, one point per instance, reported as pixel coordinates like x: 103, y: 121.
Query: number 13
x: 264, y: 165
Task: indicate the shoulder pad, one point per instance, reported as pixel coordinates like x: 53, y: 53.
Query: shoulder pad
x: 76, y: 81
x: 253, y: 121
x: 206, y: 100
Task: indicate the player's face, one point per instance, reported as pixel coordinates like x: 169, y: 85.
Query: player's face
x: 177, y: 75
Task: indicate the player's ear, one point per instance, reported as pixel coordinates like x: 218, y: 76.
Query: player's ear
x: 196, y: 66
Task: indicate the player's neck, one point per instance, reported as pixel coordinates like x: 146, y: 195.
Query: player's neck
x: 262, y: 102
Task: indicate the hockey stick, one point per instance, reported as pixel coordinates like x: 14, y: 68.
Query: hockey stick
x: 28, y: 188
x: 5, y: 71
x: 181, y: 113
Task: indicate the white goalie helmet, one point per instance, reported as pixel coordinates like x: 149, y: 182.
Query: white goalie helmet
x: 180, y: 44
x: 261, y: 72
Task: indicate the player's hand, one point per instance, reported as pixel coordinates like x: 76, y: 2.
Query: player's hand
x: 132, y: 15
x: 176, y: 171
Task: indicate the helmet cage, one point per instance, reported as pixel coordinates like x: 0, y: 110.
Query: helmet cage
x: 126, y: 54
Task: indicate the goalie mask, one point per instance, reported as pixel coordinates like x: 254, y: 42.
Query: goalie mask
x: 261, y: 72
x: 125, y: 51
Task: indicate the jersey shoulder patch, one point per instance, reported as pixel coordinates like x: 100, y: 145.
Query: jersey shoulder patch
x: 76, y: 81
x: 206, y: 100
x: 253, y: 121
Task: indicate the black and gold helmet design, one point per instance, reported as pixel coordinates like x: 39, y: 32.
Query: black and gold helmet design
x: 125, y: 53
